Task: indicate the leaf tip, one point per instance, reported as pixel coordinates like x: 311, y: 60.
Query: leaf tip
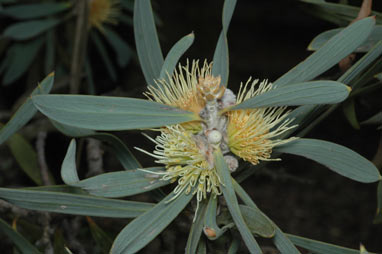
x: 51, y: 74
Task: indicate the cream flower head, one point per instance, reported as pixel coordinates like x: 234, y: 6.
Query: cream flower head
x: 103, y: 11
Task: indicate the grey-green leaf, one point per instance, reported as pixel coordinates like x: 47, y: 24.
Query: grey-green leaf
x: 257, y: 222
x: 146, y: 41
x: 104, y: 55
x: 58, y: 202
x: 28, y: 29
x: 336, y: 157
x: 314, y: 92
x: 175, y: 54
x: 121, y: 48
x: 232, y: 203
x: 378, y: 214
x: 338, y: 47
x: 20, y: 242
x: 26, y: 111
x: 32, y: 11
x: 109, y: 113
x: 196, y: 229
x: 146, y: 227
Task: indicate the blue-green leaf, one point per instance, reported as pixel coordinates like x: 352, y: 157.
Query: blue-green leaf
x: 109, y: 113
x: 232, y: 203
x: 28, y: 29
x: 175, y: 54
x: 338, y: 47
x: 20, y: 242
x: 196, y: 230
x: 314, y: 92
x: 26, y: 111
x: 147, y: 42
x: 146, y: 227
x: 336, y: 157
x: 58, y: 202
x: 32, y: 11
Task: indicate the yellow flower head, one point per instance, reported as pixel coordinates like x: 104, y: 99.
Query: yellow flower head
x: 103, y: 11
x: 250, y: 132
x: 188, y: 160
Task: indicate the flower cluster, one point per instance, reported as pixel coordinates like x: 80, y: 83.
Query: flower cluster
x: 103, y: 11
x: 187, y: 149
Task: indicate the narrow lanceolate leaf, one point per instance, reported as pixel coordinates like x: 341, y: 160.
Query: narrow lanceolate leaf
x: 283, y: 244
x: 29, y: 29
x: 20, y: 242
x: 146, y: 227
x: 109, y: 113
x: 26, y: 111
x: 318, y: 247
x: 121, y: 48
x: 232, y: 203
x: 378, y: 215
x: 114, y: 184
x: 221, y: 58
x: 314, y: 92
x: 58, y: 202
x: 32, y: 11
x: 146, y: 41
x: 336, y: 157
x: 104, y: 55
x: 196, y: 229
x: 175, y: 54
x: 338, y: 47
x: 211, y: 228
x: 322, y: 38
x: 257, y: 222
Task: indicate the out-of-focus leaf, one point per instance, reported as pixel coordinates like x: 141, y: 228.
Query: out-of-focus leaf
x: 232, y: 203
x: 146, y: 227
x: 378, y: 215
x: 338, y: 47
x: 322, y: 38
x: 283, y: 244
x: 28, y: 29
x: 257, y: 222
x: 26, y: 111
x: 114, y: 184
x: 221, y: 59
x: 196, y: 229
x: 146, y: 41
x: 376, y: 119
x: 104, y: 55
x: 50, y: 201
x: 210, y: 224
x: 175, y: 54
x: 234, y: 246
x: 318, y: 247
x: 314, y: 92
x: 59, y: 242
x: 26, y: 157
x: 378, y: 76
x: 32, y: 11
x: 49, y: 52
x: 349, y: 111
x: 20, y: 242
x: 100, y: 237
x: 121, y: 48
x: 338, y: 158
x: 89, y: 76
x: 109, y: 113
x: 19, y: 57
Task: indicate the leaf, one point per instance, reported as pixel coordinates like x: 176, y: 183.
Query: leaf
x: 322, y: 38
x: 196, y: 229
x: 146, y: 227
x: 26, y: 111
x: 338, y: 158
x: 26, y: 157
x: 121, y: 48
x: 318, y: 247
x: 78, y: 204
x: 375, y: 119
x: 257, y: 222
x: 109, y: 113
x: 28, y: 29
x: 283, y: 244
x: 104, y: 55
x: 20, y: 242
x: 338, y: 47
x: 114, y: 184
x: 221, y: 59
x: 32, y: 11
x: 19, y: 57
x: 49, y: 52
x: 314, y: 92
x: 232, y: 203
x: 146, y: 41
x: 100, y: 237
x: 378, y: 215
x: 350, y: 114
x: 175, y: 54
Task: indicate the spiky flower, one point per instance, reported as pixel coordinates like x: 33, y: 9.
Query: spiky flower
x: 187, y: 151
x: 103, y: 11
